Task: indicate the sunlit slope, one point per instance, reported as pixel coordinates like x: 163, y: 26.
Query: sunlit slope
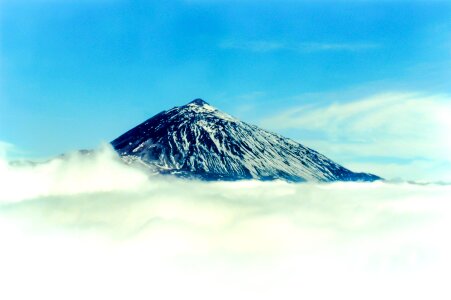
x: 197, y: 140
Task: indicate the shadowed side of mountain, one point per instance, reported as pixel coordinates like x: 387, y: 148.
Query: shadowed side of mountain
x: 197, y: 140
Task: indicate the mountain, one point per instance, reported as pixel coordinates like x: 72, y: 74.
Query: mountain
x: 197, y: 140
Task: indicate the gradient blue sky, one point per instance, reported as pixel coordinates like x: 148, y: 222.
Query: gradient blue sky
x: 76, y: 73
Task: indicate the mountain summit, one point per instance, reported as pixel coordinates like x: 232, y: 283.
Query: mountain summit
x: 199, y: 101
x: 197, y: 140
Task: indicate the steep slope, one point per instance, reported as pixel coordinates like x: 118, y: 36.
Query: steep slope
x: 199, y: 141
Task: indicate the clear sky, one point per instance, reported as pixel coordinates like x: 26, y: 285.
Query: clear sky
x: 367, y: 83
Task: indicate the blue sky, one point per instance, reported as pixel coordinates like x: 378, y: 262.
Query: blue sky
x: 76, y: 73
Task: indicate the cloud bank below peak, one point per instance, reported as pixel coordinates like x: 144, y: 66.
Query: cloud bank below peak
x: 94, y: 223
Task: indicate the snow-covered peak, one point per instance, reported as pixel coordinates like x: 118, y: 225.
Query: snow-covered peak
x: 199, y: 108
x: 198, y: 140
x: 198, y: 101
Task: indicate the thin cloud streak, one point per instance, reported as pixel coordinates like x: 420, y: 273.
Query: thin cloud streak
x: 271, y: 46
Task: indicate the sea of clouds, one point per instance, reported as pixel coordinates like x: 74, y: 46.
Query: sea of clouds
x: 89, y: 227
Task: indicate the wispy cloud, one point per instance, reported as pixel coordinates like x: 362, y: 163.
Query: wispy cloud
x: 407, y: 127
x: 4, y: 148
x: 270, y: 46
x: 337, y: 46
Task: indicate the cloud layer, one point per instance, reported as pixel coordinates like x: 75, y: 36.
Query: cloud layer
x: 92, y: 228
x: 402, y: 135
x: 75, y: 173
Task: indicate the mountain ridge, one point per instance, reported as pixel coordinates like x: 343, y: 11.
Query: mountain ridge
x: 196, y: 140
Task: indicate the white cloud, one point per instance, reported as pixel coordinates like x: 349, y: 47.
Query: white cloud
x: 100, y: 171
x: 122, y: 237
x: 399, y: 126
x: 5, y: 148
x: 336, y: 46
x: 415, y: 169
x: 269, y: 46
